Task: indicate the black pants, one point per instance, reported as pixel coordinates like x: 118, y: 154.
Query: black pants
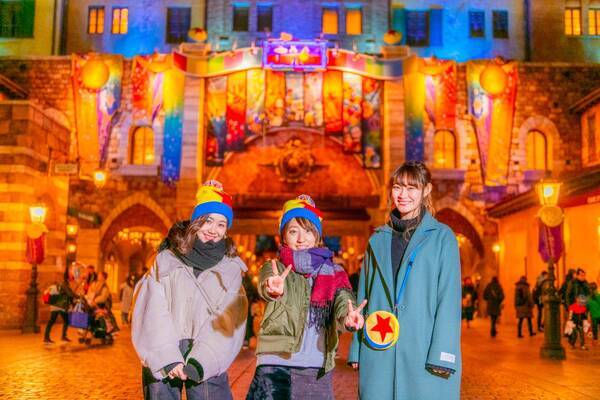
x: 53, y: 316
x: 540, y: 308
x: 577, y: 333
x: 494, y: 320
x: 529, y: 324
x: 595, y: 323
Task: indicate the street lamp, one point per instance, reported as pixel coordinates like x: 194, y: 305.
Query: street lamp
x: 551, y: 217
x: 35, y: 255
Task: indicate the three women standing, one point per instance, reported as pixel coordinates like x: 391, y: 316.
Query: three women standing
x: 190, y: 310
x: 410, y: 347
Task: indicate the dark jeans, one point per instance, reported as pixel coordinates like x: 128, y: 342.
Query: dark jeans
x: 494, y: 320
x: 53, y: 316
x: 216, y: 388
x: 529, y: 324
x: 577, y: 331
x: 274, y: 382
x: 540, y: 308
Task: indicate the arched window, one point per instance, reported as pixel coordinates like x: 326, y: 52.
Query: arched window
x: 537, y: 151
x: 142, y: 146
x: 444, y: 150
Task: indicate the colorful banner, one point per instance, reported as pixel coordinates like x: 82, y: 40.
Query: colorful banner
x: 236, y: 111
x: 371, y: 123
x: 364, y: 65
x: 255, y: 107
x: 294, y: 97
x: 275, y: 97
x: 174, y: 81
x: 313, y: 99
x: 440, y: 93
x: 95, y: 109
x: 414, y: 109
x: 332, y: 101
x: 216, y: 108
x: 147, y: 90
x: 352, y: 113
x: 550, y: 244
x: 493, y: 119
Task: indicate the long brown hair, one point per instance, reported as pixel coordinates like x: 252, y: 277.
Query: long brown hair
x: 417, y: 174
x: 304, y: 224
x: 183, y: 234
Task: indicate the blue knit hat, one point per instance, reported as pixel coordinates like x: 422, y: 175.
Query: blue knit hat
x: 211, y: 198
x: 301, y: 207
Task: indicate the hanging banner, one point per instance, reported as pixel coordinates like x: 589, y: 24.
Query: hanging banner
x: 414, y: 109
x: 255, y: 107
x: 440, y: 93
x: 352, y: 113
x: 236, y: 111
x: 332, y: 101
x: 371, y: 123
x: 364, y: 65
x: 294, y: 97
x: 313, y: 99
x: 174, y: 81
x: 216, y: 108
x: 97, y: 98
x: 493, y: 116
x: 147, y: 88
x: 274, y: 100
x: 550, y: 245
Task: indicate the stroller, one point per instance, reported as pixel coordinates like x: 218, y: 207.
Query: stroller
x: 99, y: 321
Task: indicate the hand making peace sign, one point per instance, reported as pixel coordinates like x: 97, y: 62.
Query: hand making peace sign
x: 355, y: 320
x: 276, y: 282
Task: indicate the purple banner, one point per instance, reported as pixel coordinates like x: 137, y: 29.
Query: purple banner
x: 550, y: 244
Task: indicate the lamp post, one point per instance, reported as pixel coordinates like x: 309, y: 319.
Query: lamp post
x: 35, y: 255
x: 551, y: 217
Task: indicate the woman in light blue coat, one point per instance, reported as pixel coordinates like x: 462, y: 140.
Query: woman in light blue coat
x: 411, y: 271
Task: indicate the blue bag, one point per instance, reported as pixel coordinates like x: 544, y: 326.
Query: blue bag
x: 78, y: 318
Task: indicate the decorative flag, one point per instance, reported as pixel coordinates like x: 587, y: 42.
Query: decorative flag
x: 313, y: 99
x: 236, y: 111
x: 371, y: 123
x: 332, y: 101
x: 255, y: 107
x: 275, y: 98
x: 172, y: 139
x: 550, y: 245
x: 294, y: 97
x: 352, y: 113
x: 216, y: 108
x: 414, y: 109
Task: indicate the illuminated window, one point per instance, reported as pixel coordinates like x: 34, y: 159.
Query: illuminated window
x: 330, y: 20
x: 96, y: 20
x: 476, y: 24
x: 240, y: 17
x: 142, y: 146
x: 573, y: 21
x: 16, y: 18
x: 500, y: 24
x: 179, y: 20
x: 264, y: 17
x: 120, y: 19
x: 594, y: 21
x: 444, y: 150
x: 536, y: 151
x: 353, y: 21
x: 417, y: 28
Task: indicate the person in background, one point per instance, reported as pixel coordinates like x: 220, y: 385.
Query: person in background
x: 537, y: 299
x: 469, y: 299
x: 494, y: 296
x: 578, y: 314
x: 126, y: 296
x: 523, y: 305
x: 579, y: 287
x: 562, y: 292
x: 60, y: 297
x: 594, y: 309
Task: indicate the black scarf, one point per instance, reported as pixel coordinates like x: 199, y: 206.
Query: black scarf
x: 203, y: 256
x: 401, y: 237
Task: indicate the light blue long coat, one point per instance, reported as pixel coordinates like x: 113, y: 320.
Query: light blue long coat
x: 429, y: 315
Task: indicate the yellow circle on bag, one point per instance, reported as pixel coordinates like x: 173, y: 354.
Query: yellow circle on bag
x: 381, y: 330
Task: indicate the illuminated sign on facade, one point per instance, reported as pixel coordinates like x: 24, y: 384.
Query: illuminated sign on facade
x: 295, y: 55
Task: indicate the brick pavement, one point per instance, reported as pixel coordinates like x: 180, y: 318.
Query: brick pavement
x: 501, y: 368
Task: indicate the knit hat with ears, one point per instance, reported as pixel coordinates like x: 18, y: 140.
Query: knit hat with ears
x: 302, y: 206
x: 211, y: 198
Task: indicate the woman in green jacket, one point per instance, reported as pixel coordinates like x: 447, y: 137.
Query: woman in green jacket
x: 410, y: 346
x: 307, y: 303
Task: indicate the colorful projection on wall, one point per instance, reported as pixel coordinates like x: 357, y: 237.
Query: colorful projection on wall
x: 147, y: 80
x: 371, y: 123
x: 174, y: 85
x: 255, y: 93
x: 414, y: 109
x: 294, y: 97
x: 332, y: 101
x: 216, y: 108
x: 493, y: 116
x: 97, y: 97
x: 313, y: 99
x: 352, y: 113
x: 294, y: 55
x: 236, y: 111
x: 275, y: 98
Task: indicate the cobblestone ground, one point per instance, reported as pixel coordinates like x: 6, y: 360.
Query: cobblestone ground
x: 501, y: 368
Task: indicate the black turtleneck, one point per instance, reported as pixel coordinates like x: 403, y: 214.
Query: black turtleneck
x: 400, y: 238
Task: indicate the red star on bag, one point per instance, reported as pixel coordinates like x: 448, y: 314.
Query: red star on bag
x: 383, y: 327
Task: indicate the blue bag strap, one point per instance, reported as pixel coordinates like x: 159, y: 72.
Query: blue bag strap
x: 411, y: 260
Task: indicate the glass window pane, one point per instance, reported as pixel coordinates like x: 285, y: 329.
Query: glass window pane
x: 124, y: 20
x: 100, y: 21
x: 240, y: 18
x: 353, y: 21
x: 330, y: 21
x: 264, y: 18
x: 568, y: 22
x: 115, y: 20
x: 92, y: 20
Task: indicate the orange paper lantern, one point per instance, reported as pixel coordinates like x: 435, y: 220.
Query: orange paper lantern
x: 197, y: 34
x: 493, y: 79
x: 94, y: 74
x: 392, y: 37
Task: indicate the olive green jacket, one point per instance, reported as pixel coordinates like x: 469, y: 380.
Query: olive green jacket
x: 283, y: 324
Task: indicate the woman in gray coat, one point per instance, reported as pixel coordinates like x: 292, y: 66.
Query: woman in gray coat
x: 523, y: 305
x: 190, y: 310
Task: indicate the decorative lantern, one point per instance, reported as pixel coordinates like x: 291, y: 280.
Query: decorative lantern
x: 72, y: 229
x: 99, y: 178
x: 548, y: 191
x: 95, y: 74
x: 37, y: 213
x: 496, y: 247
x: 197, y: 34
x: 392, y: 37
x: 493, y: 79
x: 71, y: 248
x: 159, y: 63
